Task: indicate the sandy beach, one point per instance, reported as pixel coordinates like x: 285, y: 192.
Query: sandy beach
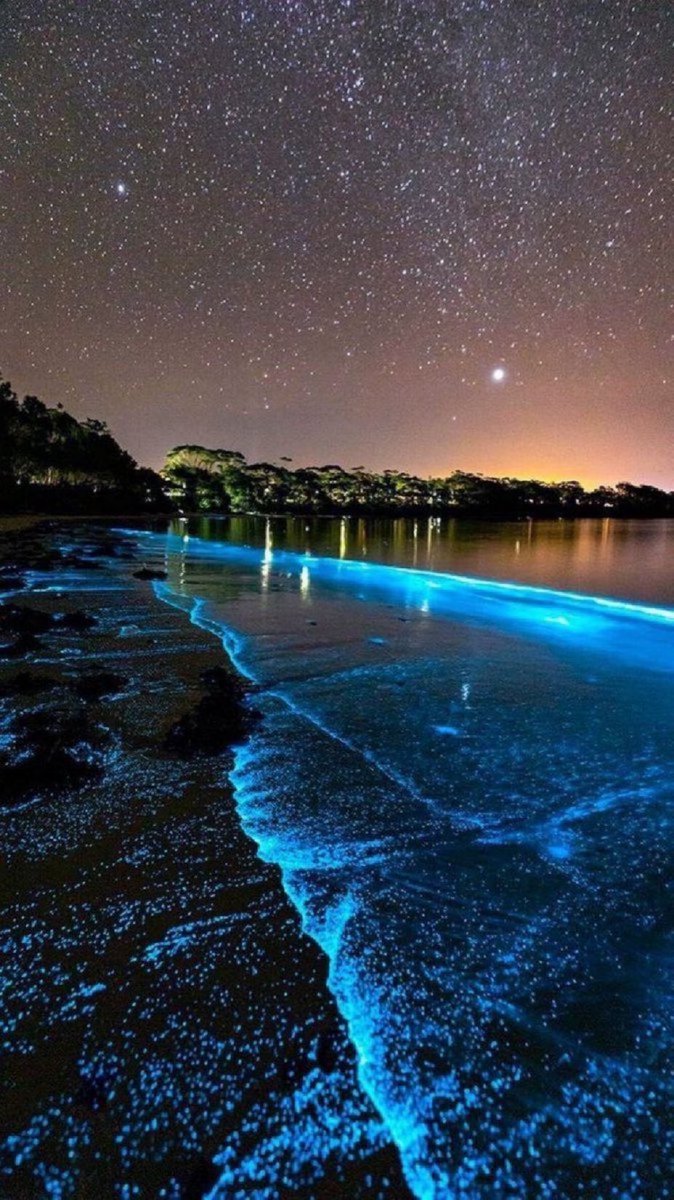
x: 167, y: 1028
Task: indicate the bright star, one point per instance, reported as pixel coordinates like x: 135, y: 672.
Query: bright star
x: 498, y: 374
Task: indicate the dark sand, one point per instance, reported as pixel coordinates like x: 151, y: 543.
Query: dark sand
x: 165, y: 1023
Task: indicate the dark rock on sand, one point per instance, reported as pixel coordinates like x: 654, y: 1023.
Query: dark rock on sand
x: 27, y: 683
x: 50, y: 751
x: 97, y: 684
x: 220, y: 719
x: 146, y: 573
x: 44, y: 562
x: 107, y: 547
x: 24, y: 621
x: 110, y: 547
x: 19, y: 647
x: 76, y: 622
x: 29, y: 622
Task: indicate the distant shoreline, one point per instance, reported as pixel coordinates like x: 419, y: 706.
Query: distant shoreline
x: 25, y: 520
x: 51, y: 461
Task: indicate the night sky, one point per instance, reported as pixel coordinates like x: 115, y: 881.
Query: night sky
x: 399, y: 234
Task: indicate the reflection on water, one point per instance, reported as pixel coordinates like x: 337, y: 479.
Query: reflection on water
x: 631, y: 559
x: 468, y: 786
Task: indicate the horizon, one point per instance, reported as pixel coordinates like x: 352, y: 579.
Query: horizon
x: 493, y: 463
x: 293, y: 464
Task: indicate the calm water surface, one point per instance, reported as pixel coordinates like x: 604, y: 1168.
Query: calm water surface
x: 630, y: 559
x: 469, y: 788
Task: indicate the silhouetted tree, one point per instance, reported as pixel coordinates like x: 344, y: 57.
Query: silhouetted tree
x: 202, y: 480
x: 50, y: 461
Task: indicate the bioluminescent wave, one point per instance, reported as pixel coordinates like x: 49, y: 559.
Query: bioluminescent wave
x: 469, y: 789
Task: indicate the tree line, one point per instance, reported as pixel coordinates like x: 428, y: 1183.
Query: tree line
x: 51, y: 462
x: 221, y: 481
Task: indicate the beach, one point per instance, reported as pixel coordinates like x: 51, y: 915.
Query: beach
x: 301, y: 883
x: 167, y: 1027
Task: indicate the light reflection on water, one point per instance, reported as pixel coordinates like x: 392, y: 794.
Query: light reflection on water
x: 469, y: 789
x: 631, y: 559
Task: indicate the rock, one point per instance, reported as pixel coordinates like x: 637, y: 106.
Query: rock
x: 223, y: 681
x: 45, y: 562
x: 146, y: 573
x: 31, y: 622
x: 220, y: 719
x: 104, y: 548
x: 76, y: 621
x: 25, y: 644
x: 25, y: 621
x: 27, y: 683
x: 50, y: 752
x: 97, y: 684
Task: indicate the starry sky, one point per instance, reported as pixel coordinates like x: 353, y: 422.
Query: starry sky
x: 396, y: 233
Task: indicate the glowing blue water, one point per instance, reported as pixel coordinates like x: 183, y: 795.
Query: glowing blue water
x: 469, y: 789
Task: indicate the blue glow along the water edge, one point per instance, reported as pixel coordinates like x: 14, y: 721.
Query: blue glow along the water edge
x: 468, y: 787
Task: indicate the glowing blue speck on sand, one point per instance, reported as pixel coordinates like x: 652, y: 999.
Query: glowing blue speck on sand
x: 472, y: 813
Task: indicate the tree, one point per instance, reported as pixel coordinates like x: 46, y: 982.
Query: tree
x: 49, y: 460
x: 203, y: 480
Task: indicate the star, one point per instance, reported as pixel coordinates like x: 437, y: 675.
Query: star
x: 352, y: 210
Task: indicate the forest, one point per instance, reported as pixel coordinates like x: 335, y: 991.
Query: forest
x: 221, y: 481
x: 52, y: 463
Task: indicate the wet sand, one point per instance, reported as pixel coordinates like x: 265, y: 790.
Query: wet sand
x: 167, y: 1030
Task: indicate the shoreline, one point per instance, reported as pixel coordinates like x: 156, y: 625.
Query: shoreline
x: 169, y: 1025
x: 14, y: 522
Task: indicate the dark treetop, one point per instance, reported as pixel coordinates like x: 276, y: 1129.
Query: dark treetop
x: 50, y: 462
